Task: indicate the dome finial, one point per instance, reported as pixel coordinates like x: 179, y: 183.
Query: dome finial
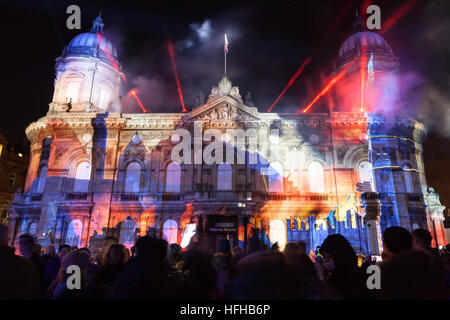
x: 97, y: 24
x: 357, y: 23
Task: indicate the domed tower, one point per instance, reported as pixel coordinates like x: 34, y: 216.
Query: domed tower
x: 87, y: 74
x: 369, y: 66
x: 368, y: 71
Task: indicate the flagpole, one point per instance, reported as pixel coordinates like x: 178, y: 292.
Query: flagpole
x: 225, y: 54
x: 225, y: 51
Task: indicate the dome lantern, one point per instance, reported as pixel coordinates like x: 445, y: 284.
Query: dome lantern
x: 87, y: 74
x: 97, y: 25
x: 368, y: 43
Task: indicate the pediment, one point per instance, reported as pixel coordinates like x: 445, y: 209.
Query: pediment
x: 225, y: 109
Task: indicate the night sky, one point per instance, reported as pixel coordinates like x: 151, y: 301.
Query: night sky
x: 268, y: 40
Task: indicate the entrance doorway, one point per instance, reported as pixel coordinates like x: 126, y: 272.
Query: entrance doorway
x: 222, y: 227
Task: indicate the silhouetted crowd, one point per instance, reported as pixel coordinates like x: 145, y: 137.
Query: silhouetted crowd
x: 410, y: 269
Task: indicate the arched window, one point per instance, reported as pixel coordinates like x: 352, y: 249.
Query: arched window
x: 408, y: 180
x: 170, y: 231
x: 173, y: 177
x: 224, y: 176
x: 364, y: 171
x: 103, y: 99
x: 42, y: 179
x: 316, y: 179
x: 32, y: 230
x: 72, y: 92
x: 275, y: 177
x: 82, y: 177
x: 278, y: 233
x: 73, y: 237
x: 133, y: 178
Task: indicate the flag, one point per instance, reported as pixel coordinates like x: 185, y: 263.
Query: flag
x: 370, y: 69
x: 225, y: 49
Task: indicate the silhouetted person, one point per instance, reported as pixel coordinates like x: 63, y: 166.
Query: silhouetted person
x: 146, y: 276
x: 69, y: 105
x: 291, y: 252
x: 28, y: 250
x: 92, y: 267
x: 200, y: 274
x: 19, y: 278
x: 62, y: 290
x: 410, y: 274
x: 254, y: 242
x: 221, y: 259
x: 37, y: 249
x: 302, y: 247
x: 63, y: 250
x: 175, y: 258
x: 275, y: 247
x: 301, y: 265
x: 222, y: 263
x: 112, y: 267
x: 341, y: 270
x: 52, y: 264
x: 264, y: 276
x: 395, y: 240
x: 422, y: 240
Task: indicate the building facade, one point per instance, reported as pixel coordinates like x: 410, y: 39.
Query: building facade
x: 95, y: 172
x: 13, y: 171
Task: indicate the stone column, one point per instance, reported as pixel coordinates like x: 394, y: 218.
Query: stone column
x: 371, y: 219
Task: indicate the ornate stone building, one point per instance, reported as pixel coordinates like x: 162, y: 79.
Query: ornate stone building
x: 13, y: 170
x: 95, y: 172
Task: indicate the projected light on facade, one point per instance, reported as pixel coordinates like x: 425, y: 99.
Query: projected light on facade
x: 96, y: 173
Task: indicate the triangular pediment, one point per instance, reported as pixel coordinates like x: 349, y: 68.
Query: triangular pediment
x: 224, y: 108
x: 224, y: 104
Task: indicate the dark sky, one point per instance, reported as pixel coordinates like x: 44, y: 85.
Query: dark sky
x: 268, y: 42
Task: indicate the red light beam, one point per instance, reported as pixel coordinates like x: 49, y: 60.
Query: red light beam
x: 399, y: 13
x: 111, y: 59
x: 363, y: 10
x: 295, y: 76
x: 336, y: 22
x: 174, y: 66
x: 134, y: 94
x: 362, y: 69
x: 329, y: 85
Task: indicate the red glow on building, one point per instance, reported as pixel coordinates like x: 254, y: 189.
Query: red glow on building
x: 362, y: 70
x: 134, y: 94
x: 295, y: 76
x: 111, y: 59
x: 174, y: 66
x: 328, y: 96
x: 329, y: 85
